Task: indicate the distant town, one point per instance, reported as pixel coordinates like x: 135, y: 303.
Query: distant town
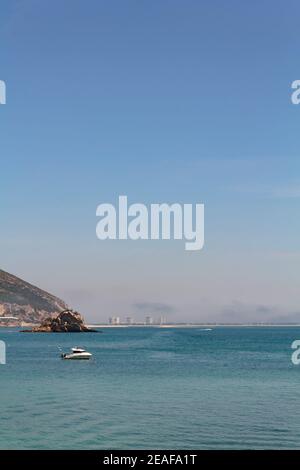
x: 114, y: 321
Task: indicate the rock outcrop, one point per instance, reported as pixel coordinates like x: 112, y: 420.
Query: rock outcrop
x: 66, y: 322
x: 21, y: 302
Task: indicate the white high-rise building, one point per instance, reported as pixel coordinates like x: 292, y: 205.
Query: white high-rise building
x: 114, y: 320
x: 149, y: 320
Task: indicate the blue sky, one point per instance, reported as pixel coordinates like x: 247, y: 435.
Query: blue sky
x: 164, y: 101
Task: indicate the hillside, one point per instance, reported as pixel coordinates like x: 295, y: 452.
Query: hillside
x: 26, y: 302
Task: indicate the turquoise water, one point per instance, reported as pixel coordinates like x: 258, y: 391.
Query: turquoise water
x: 230, y: 388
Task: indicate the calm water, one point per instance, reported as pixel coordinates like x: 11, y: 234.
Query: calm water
x: 151, y: 388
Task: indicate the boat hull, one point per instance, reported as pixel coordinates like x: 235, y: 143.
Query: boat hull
x: 77, y: 357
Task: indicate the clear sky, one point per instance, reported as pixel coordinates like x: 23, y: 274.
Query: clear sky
x: 164, y: 101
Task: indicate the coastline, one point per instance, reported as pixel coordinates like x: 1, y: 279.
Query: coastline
x: 198, y: 325
x: 175, y: 325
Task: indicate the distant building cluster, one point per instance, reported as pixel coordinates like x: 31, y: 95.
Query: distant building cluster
x: 149, y: 320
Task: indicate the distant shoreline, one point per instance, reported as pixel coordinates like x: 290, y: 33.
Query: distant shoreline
x: 178, y: 325
x: 195, y: 325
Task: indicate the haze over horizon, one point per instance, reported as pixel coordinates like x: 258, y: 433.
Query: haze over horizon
x: 184, y: 102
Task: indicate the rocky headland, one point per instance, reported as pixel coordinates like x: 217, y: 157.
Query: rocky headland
x: 22, y: 303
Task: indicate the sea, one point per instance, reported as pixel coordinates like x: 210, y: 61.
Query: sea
x: 152, y: 388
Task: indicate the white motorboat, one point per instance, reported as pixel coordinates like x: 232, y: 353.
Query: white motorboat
x: 78, y: 354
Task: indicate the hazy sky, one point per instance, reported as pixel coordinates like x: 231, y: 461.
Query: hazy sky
x: 163, y: 101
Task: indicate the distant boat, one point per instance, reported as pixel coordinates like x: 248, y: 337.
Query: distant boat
x: 77, y: 354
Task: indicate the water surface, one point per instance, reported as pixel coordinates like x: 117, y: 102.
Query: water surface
x: 229, y: 388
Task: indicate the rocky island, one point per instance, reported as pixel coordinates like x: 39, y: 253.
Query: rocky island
x: 66, y: 322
